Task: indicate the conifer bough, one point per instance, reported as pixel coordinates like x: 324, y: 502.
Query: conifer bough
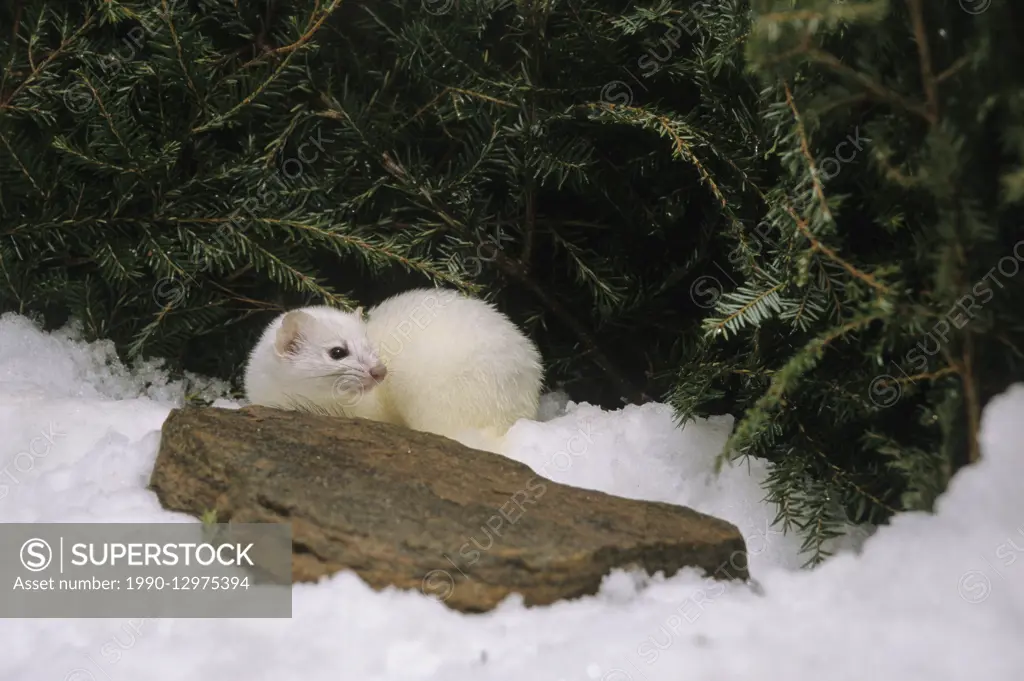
x: 804, y: 214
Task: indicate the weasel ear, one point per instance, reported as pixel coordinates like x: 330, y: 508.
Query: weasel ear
x: 290, y: 336
x: 359, y: 312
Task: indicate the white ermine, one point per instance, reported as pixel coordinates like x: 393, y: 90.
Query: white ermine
x: 428, y: 359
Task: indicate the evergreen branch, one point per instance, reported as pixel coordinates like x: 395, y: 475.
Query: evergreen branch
x: 419, y: 112
x: 251, y: 303
x: 153, y: 246
x: 830, y: 290
x: 21, y: 166
x: 840, y: 474
x: 924, y: 56
x: 306, y: 282
x: 953, y: 69
x: 311, y: 28
x: 63, y: 145
x: 147, y: 332
x: 181, y: 56
x: 715, y: 327
x: 222, y: 118
x: 585, y: 271
x: 665, y: 126
x: 31, y: 39
x: 613, y: 206
x: 106, y: 115
x: 59, y: 50
x: 873, y: 88
x: 107, y: 255
x: 366, y: 246
x: 928, y: 376
x: 281, y: 139
x: 877, y: 89
x: 819, y: 191
x: 816, y: 245
x: 841, y: 103
x: 480, y: 96
x: 893, y: 173
x: 816, y: 17
x: 783, y: 381
x: 289, y: 53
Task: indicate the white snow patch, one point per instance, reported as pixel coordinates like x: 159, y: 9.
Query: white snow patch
x: 928, y: 597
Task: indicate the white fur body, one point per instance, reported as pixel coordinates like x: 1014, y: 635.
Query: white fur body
x: 456, y: 366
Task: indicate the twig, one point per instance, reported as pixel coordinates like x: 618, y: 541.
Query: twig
x: 181, y: 57
x: 107, y: 117
x: 682, y: 149
x: 50, y: 57
x: 953, y: 69
x: 801, y: 224
x: 930, y: 83
x: 311, y: 28
x: 971, y: 399
x: 819, y: 191
x: 243, y: 299
x: 930, y: 376
x: 879, y: 91
x: 21, y: 165
x: 842, y: 103
x: 925, y: 57
x: 289, y: 51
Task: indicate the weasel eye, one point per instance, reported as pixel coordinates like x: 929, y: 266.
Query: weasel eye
x: 338, y: 352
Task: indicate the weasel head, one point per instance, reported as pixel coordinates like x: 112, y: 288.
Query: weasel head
x: 328, y: 354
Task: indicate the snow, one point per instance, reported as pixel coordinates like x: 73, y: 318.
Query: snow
x: 928, y: 597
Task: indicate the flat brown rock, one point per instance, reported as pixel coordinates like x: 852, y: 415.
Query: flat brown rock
x: 419, y: 511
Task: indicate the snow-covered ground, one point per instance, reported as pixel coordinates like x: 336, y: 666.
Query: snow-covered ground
x: 928, y: 598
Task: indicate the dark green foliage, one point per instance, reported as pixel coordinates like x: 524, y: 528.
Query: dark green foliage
x: 881, y: 289
x: 159, y: 211
x: 639, y: 184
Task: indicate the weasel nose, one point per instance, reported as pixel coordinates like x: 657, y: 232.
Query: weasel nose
x: 379, y: 372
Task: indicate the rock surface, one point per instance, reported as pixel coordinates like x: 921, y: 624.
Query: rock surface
x: 418, y: 511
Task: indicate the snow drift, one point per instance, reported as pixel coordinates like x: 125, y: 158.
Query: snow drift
x: 928, y: 597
